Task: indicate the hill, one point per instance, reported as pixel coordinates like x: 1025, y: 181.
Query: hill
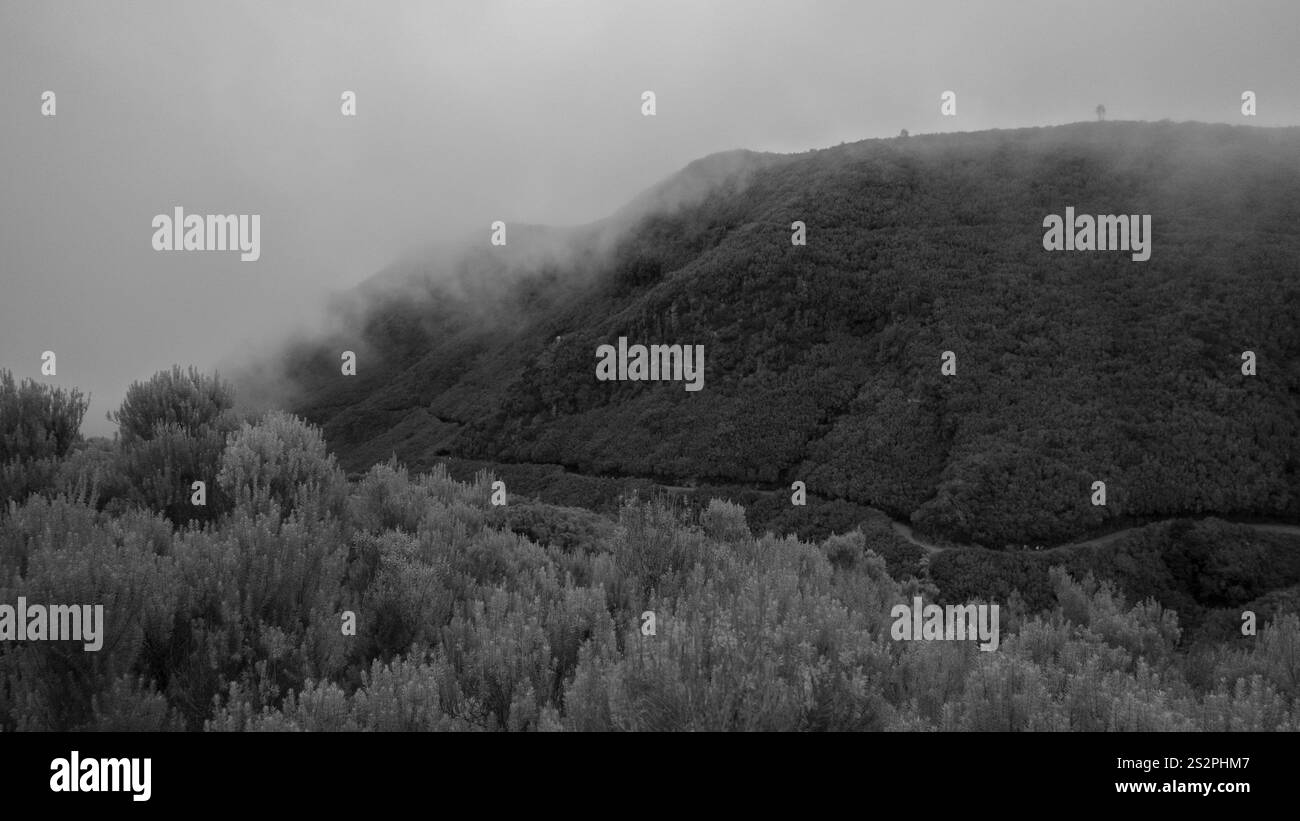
x: 823, y: 361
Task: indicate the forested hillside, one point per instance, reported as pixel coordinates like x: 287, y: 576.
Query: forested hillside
x: 823, y: 361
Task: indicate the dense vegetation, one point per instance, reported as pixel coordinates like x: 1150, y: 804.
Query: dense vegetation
x: 526, y: 617
x: 823, y: 361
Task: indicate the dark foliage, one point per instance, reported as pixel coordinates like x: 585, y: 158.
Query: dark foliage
x: 823, y: 361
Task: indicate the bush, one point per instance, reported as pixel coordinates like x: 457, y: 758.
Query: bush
x: 39, y: 424
x: 188, y: 400
x: 281, y: 459
x: 37, y: 420
x: 63, y: 552
x: 725, y: 521
x: 172, y: 430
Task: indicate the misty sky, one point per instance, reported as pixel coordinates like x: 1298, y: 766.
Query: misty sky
x: 474, y: 111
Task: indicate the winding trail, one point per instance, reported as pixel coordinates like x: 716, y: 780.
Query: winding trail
x: 906, y: 532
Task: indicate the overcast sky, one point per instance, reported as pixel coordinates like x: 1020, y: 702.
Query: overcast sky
x: 474, y: 111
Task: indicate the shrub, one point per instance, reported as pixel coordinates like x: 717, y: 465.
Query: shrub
x: 172, y: 430
x: 63, y: 552
x: 188, y: 400
x: 37, y: 420
x: 725, y: 521
x: 281, y: 459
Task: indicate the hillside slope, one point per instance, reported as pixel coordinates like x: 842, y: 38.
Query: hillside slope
x: 823, y: 361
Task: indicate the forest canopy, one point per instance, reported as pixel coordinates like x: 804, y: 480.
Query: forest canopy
x: 823, y: 360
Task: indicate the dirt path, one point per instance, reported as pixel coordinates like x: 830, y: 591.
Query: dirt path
x: 906, y: 532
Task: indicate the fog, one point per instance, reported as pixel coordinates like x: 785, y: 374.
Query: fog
x: 471, y: 112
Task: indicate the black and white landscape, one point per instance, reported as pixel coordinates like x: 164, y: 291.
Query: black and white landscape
x: 656, y: 367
